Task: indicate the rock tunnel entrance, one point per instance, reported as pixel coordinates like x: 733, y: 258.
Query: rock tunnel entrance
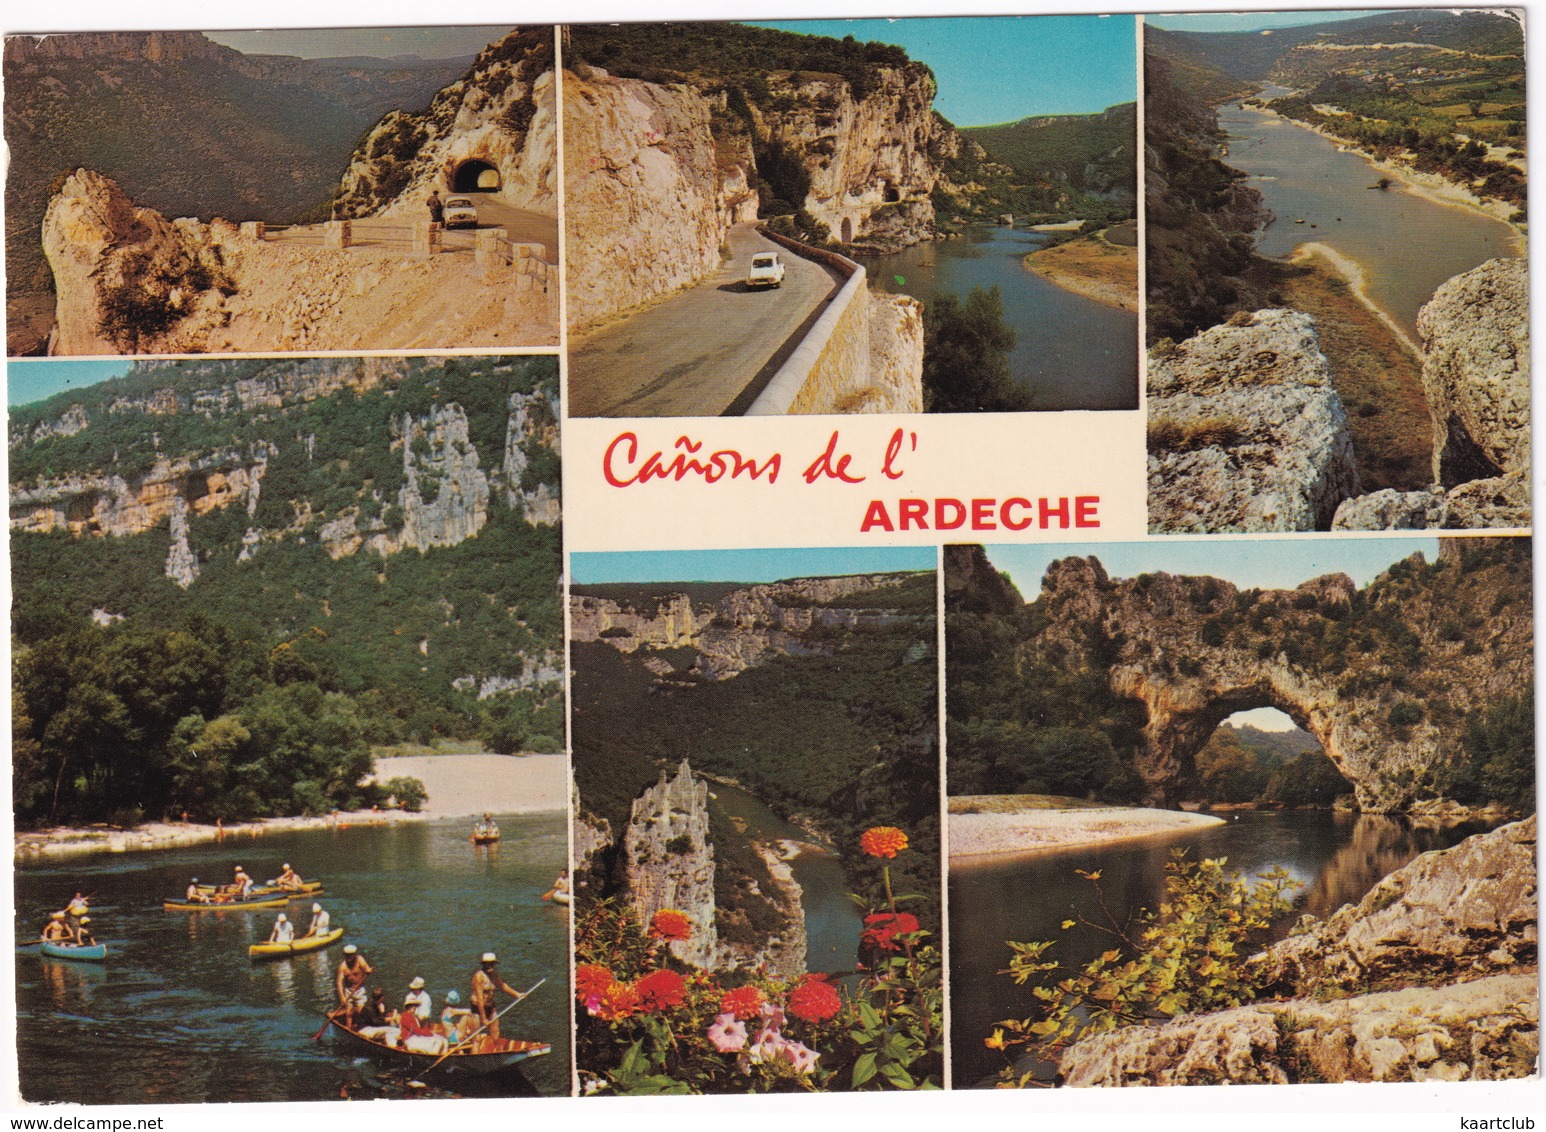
x: 475, y: 176
x: 847, y: 230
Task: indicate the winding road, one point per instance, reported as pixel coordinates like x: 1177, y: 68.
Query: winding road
x: 706, y: 351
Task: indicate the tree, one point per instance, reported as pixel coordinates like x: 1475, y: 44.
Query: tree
x: 966, y: 356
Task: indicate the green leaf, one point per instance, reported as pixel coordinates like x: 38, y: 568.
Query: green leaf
x: 864, y: 1069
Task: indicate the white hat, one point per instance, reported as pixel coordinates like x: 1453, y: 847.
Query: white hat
x: 489, y: 957
x: 350, y: 949
x: 281, y: 917
x: 85, y: 919
x: 195, y: 880
x: 286, y: 865
x: 316, y: 907
x: 417, y: 984
x: 452, y: 997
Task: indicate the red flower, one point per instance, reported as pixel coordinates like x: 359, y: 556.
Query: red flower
x: 883, y: 841
x: 668, y: 923
x: 617, y: 1002
x: 743, y: 1002
x: 882, y: 928
x: 590, y: 980
x: 660, y: 990
x: 814, y: 1001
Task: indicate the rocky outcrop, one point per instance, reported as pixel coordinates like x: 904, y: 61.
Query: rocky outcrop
x: 110, y: 504
x: 972, y: 585
x: 182, y: 566
x: 656, y: 173
x: 1453, y: 934
x: 738, y: 631
x: 500, y: 116
x: 1385, y: 678
x: 533, y: 422
x: 1246, y: 432
x: 1476, y: 375
x: 646, y: 205
x: 128, y: 280
x: 1452, y: 914
x: 783, y: 956
x: 670, y: 861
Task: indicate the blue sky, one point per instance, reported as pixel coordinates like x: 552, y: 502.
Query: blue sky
x: 1253, y: 21
x: 380, y: 43
x: 745, y: 565
x: 1004, y: 68
x: 28, y: 381
x: 1268, y: 564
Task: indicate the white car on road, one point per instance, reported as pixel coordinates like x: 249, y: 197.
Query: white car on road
x: 767, y: 270
x: 460, y: 213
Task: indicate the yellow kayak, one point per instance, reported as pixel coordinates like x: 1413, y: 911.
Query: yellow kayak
x: 280, y: 950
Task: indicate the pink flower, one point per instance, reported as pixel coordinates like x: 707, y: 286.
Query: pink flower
x: 801, y: 1056
x: 726, y: 1034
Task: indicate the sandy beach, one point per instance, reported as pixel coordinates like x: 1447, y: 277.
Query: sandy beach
x: 458, y: 785
x: 476, y: 784
x: 1030, y: 830
x: 1091, y: 267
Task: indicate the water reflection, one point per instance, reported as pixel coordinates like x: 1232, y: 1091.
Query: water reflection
x: 1337, y: 857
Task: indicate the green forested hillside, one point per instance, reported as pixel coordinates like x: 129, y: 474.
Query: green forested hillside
x: 1094, y: 153
x: 116, y: 663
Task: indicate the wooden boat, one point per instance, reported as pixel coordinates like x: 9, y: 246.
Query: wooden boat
x: 511, y: 1051
x: 295, y: 947
x: 90, y: 953
x: 228, y: 906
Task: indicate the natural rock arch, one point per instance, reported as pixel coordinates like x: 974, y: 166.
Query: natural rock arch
x: 1387, y: 679
x: 476, y: 175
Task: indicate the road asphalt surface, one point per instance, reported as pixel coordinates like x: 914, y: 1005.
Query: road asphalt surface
x: 706, y: 351
x: 520, y: 225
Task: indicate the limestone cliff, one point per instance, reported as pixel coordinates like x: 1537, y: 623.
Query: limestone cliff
x: 500, y: 116
x: 1476, y: 375
x: 1246, y: 432
x: 1385, y: 678
x: 1430, y: 977
x: 656, y: 172
x: 670, y: 861
x: 737, y: 631
x: 107, y: 488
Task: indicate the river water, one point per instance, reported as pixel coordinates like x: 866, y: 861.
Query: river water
x: 831, y: 922
x: 178, y: 1013
x: 1336, y: 857
x: 1408, y: 245
x: 1070, y: 352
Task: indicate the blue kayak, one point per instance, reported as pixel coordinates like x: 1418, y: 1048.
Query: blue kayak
x: 74, y: 951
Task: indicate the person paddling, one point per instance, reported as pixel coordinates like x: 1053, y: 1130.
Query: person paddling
x: 485, y: 981
x: 283, y: 930
x: 77, y: 905
x: 196, y: 895
x: 321, y: 922
x: 350, y: 984
x: 289, y: 879
x: 56, y: 930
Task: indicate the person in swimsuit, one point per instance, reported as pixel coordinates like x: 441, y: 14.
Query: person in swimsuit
x: 83, y: 936
x: 352, y: 973
x: 289, y: 879
x: 195, y: 894
x: 56, y: 930
x: 485, y: 981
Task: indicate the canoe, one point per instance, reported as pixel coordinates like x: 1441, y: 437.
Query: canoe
x: 307, y: 888
x: 510, y: 1052
x: 484, y: 838
x: 228, y: 906
x: 281, y: 950
x: 561, y: 898
x: 88, y: 954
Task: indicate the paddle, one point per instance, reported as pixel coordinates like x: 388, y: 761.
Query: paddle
x: 331, y: 1018
x: 31, y: 943
x: 487, y: 1024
